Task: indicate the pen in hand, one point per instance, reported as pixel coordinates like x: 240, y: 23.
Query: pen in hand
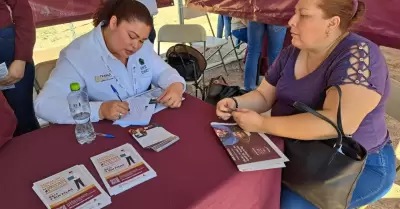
x: 116, y: 93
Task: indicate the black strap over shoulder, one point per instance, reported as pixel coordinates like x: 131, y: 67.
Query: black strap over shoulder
x: 339, y: 128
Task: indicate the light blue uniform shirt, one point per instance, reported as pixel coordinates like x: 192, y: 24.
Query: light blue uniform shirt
x: 88, y: 61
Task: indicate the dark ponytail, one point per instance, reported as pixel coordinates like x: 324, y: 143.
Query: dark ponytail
x: 127, y: 10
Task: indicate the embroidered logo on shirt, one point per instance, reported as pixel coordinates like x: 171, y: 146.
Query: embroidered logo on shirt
x: 143, y: 67
x: 104, y: 77
x: 141, y: 61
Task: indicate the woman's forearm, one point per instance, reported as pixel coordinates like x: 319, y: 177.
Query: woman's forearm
x: 255, y: 101
x: 303, y: 126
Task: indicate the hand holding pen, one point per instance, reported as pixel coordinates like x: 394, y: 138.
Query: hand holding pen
x: 116, y: 92
x: 113, y: 110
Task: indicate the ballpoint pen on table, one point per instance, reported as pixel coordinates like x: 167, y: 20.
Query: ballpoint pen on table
x: 116, y: 93
x: 105, y: 135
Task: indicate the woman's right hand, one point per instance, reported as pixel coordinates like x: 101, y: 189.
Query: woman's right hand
x: 113, y: 110
x: 225, y: 107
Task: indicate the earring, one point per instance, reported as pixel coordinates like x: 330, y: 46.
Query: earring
x: 327, y: 32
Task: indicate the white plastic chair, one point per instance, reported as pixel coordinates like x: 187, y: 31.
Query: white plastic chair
x: 190, y: 33
x: 212, y: 42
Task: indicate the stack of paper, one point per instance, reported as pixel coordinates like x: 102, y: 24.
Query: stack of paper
x: 153, y: 93
x: 122, y: 168
x: 140, y: 112
x: 72, y: 188
x: 3, y: 74
x: 153, y: 136
x: 142, y: 107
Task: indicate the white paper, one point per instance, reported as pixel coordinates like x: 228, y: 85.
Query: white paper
x: 74, y: 187
x: 150, y: 135
x: 140, y: 112
x: 154, y: 93
x: 122, y: 168
x: 3, y: 74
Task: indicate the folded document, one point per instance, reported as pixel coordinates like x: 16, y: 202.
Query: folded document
x: 140, y: 112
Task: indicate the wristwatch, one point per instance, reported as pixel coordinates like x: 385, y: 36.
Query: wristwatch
x: 236, y: 102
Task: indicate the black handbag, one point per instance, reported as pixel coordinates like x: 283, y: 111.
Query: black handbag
x: 324, y: 172
x: 219, y: 89
x: 185, y: 63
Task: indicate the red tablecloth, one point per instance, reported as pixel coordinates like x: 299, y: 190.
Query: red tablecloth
x: 196, y: 172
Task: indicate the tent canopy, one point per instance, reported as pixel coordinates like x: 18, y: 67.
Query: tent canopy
x: 52, y: 12
x: 379, y: 23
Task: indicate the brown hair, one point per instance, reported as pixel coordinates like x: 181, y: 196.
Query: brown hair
x: 127, y: 10
x: 344, y: 10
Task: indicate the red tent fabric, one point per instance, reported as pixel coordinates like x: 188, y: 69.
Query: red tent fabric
x: 379, y: 24
x: 52, y: 12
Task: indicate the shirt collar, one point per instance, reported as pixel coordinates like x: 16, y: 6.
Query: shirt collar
x: 99, y: 36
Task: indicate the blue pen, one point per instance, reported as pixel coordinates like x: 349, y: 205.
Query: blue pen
x: 106, y: 135
x: 116, y: 92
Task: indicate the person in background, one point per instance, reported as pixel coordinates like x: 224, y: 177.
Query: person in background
x: 239, y: 30
x: 17, y: 39
x: 224, y: 22
x: 9, y: 121
x: 116, y: 52
x: 255, y: 34
x: 152, y: 7
x: 323, y: 54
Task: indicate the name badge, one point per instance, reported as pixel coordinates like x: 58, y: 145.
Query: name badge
x: 103, y: 77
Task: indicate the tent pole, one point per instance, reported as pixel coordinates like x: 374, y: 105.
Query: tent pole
x: 180, y: 12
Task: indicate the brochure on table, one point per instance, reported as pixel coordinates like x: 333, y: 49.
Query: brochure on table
x: 71, y: 188
x: 153, y: 136
x: 249, y: 151
x: 122, y: 168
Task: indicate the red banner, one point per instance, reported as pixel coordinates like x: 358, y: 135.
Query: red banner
x: 379, y: 23
x: 52, y: 12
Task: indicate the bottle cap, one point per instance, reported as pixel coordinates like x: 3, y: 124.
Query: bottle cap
x: 74, y: 86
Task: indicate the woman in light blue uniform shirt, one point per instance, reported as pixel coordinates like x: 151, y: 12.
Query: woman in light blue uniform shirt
x: 116, y: 52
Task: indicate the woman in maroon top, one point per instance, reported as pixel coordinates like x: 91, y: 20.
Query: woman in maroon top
x: 17, y: 38
x: 323, y: 54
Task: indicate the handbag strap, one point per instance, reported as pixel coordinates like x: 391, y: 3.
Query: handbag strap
x: 339, y: 113
x: 339, y: 129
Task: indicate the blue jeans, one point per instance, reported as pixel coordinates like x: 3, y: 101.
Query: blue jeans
x: 240, y: 34
x: 375, y: 181
x: 224, y: 22
x: 255, y: 34
x: 20, y: 98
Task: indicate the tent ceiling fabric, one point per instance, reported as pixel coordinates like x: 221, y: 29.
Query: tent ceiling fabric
x: 52, y: 12
x: 380, y: 22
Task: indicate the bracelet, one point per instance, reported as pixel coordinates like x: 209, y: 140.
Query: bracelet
x: 236, y: 102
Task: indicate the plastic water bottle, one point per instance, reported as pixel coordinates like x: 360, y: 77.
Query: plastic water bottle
x: 78, y: 101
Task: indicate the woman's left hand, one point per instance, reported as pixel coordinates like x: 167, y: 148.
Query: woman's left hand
x: 172, y: 96
x: 249, y: 120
